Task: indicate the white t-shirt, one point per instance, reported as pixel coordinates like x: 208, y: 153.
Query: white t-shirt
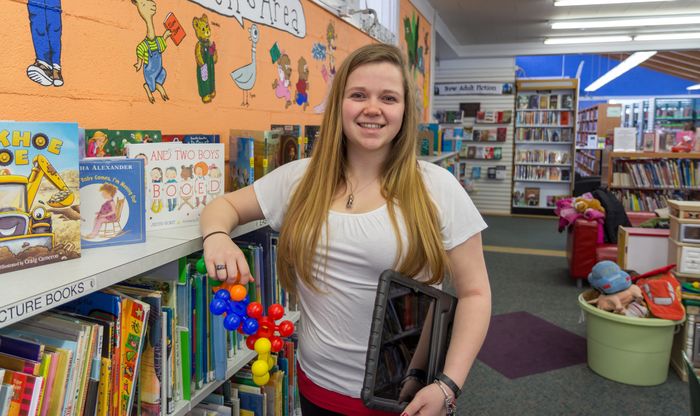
x: 335, y: 325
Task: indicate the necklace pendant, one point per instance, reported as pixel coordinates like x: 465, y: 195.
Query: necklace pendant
x: 351, y: 199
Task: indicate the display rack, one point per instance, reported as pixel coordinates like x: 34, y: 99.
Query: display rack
x: 644, y: 181
x: 543, y: 147
x: 98, y: 268
x: 595, y: 124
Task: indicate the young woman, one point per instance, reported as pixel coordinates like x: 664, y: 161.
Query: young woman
x: 361, y: 204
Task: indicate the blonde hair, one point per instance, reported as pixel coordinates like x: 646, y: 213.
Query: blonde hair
x: 400, y: 178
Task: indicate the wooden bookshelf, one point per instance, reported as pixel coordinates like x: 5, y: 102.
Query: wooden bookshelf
x: 644, y: 181
x: 595, y: 122
x: 543, y: 147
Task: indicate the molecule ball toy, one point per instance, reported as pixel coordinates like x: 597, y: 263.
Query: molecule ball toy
x: 232, y: 301
x: 261, y: 367
x: 267, y: 326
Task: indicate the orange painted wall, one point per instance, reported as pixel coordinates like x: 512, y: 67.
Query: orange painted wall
x: 422, y: 78
x: 103, y: 90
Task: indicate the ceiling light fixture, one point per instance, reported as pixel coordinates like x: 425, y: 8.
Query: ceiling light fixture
x: 669, y: 36
x: 666, y: 20
x: 693, y: 87
x: 586, y: 39
x: 561, y: 3
x: 624, y: 66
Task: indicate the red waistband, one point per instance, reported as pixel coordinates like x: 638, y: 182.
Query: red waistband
x: 333, y: 401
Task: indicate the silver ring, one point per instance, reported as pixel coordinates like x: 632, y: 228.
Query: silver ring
x: 220, y: 267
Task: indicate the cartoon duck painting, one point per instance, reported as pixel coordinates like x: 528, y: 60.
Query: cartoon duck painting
x: 245, y: 76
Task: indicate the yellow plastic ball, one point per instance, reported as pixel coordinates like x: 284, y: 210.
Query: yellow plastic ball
x: 261, y: 380
x: 263, y: 346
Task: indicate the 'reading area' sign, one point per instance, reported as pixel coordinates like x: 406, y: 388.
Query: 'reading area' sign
x: 286, y: 15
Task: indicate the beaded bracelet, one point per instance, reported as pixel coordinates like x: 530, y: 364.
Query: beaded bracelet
x: 212, y: 233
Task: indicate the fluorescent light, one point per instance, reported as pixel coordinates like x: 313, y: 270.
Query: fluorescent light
x: 592, y: 2
x: 694, y: 87
x: 669, y: 36
x: 586, y: 39
x: 666, y: 20
x: 624, y: 66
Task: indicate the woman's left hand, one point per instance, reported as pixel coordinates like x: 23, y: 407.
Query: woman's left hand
x: 429, y: 401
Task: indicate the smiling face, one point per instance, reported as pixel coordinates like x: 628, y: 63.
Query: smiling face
x: 146, y: 8
x: 373, y: 106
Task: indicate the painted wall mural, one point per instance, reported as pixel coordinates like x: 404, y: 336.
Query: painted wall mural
x: 416, y: 42
x: 206, y: 56
x: 46, y: 26
x: 244, y: 77
x: 149, y: 52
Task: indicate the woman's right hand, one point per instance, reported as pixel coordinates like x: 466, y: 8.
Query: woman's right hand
x: 225, y: 261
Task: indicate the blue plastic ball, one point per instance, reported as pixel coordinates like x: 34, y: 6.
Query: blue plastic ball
x: 218, y: 306
x: 250, y: 326
x: 231, y: 322
x: 222, y: 294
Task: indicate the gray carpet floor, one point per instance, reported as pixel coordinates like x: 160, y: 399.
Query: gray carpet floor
x: 523, y: 232
x: 540, y: 285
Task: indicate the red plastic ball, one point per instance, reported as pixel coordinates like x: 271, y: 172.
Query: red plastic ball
x: 286, y: 328
x: 250, y: 342
x: 276, y: 343
x: 275, y: 311
x: 255, y: 310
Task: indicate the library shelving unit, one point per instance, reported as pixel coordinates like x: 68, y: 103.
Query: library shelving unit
x: 35, y: 290
x: 594, y: 125
x: 671, y: 114
x: 644, y: 181
x: 543, y: 147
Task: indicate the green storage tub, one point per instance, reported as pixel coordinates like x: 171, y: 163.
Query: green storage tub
x: 628, y: 350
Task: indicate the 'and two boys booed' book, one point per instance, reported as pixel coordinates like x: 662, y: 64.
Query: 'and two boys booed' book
x: 112, y: 202
x: 180, y: 180
x: 39, y: 201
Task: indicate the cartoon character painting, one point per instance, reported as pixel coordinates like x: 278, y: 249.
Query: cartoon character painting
x: 244, y: 77
x: 328, y: 73
x: 206, y: 56
x: 283, y: 81
x: 46, y: 27
x: 149, y: 53
x: 302, y: 95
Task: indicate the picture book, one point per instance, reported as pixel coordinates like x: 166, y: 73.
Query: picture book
x: 177, y: 33
x: 311, y: 134
x: 290, y: 146
x: 532, y: 197
x: 113, y: 202
x: 180, y: 180
x: 476, y: 172
x: 192, y: 138
x: 40, y: 199
x: 243, y: 168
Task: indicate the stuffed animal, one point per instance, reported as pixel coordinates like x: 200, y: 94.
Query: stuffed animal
x: 607, y: 277
x: 583, y: 204
x: 618, y: 302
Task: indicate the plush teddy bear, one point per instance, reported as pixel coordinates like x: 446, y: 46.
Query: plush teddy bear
x: 582, y: 204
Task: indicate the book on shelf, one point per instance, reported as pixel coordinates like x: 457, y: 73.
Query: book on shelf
x: 649, y: 141
x: 192, y: 138
x: 112, y: 206
x: 290, y: 142
x: 567, y: 101
x: 106, y: 142
x: 242, y: 166
x: 532, y: 196
x: 469, y: 109
x: 311, y: 135
x: 40, y: 179
x: 182, y: 178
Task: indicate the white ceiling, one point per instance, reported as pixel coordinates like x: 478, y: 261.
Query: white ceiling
x: 492, y: 28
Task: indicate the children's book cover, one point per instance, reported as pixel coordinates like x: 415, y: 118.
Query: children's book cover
x: 192, y: 138
x: 113, y: 202
x: 180, y: 180
x: 311, y: 134
x: 39, y: 201
x: 97, y: 142
x: 243, y: 168
x: 290, y: 142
